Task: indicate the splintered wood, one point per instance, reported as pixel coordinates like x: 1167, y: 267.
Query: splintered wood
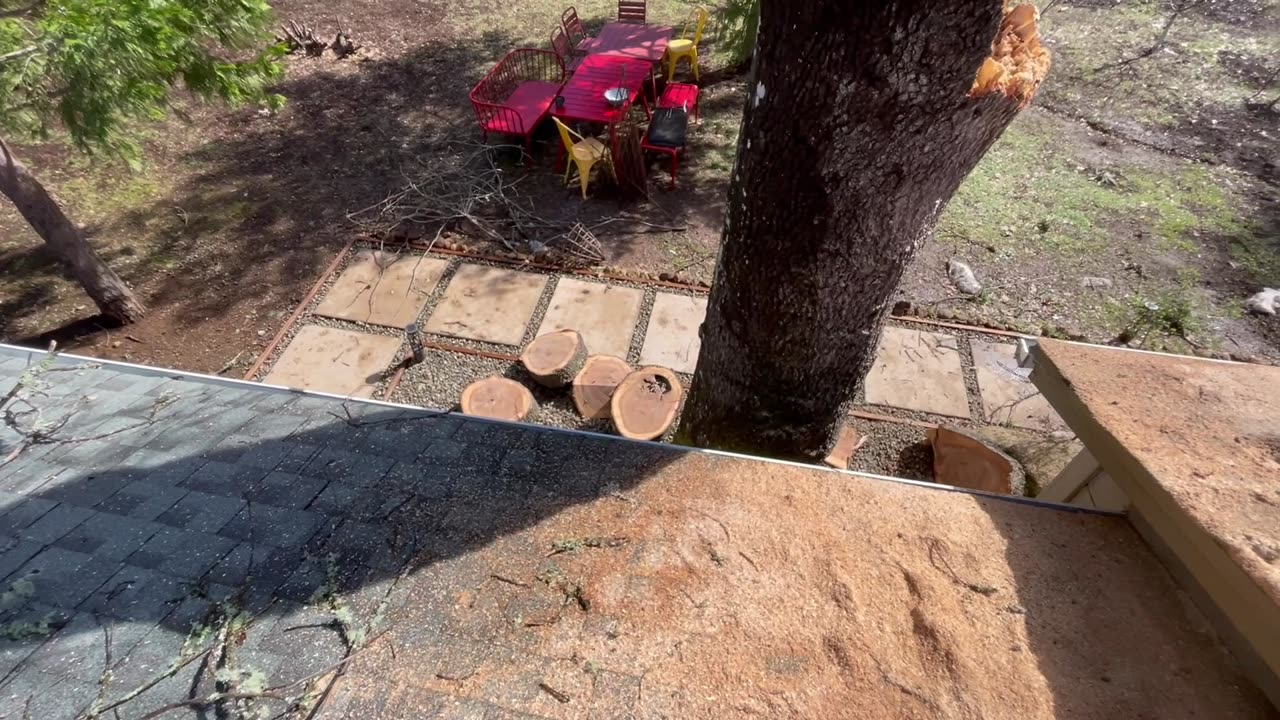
x: 646, y: 402
x: 1018, y: 61
x: 556, y: 358
x: 593, y: 387
x: 498, y: 398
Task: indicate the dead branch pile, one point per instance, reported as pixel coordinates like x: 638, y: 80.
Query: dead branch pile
x: 300, y: 36
x: 464, y: 190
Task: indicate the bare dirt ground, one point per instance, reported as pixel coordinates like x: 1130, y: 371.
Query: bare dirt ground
x: 236, y: 211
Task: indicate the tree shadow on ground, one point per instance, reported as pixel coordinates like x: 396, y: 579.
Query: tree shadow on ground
x: 285, y: 520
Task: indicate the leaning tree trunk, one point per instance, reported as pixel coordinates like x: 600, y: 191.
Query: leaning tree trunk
x: 45, y: 215
x: 861, y: 121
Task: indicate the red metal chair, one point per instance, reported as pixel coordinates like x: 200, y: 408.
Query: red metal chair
x: 667, y: 134
x: 681, y: 95
x: 564, y: 49
x: 516, y: 95
x: 576, y: 31
x: 632, y: 11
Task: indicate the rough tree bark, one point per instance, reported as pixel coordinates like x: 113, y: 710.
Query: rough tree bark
x: 861, y: 121
x: 112, y: 296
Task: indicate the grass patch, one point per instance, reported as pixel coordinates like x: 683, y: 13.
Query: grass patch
x: 1028, y: 193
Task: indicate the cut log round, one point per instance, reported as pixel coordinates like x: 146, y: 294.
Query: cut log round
x: 646, y: 402
x: 555, y: 358
x: 593, y: 387
x: 498, y: 398
x: 847, y: 444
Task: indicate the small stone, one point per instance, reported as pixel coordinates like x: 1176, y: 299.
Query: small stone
x: 1095, y: 283
x: 116, y: 344
x: 1264, y: 302
x: 945, y: 314
x: 962, y: 278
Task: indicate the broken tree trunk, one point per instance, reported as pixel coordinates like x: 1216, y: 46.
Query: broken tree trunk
x: 297, y: 36
x: 45, y: 215
x: 343, y: 45
x: 498, y: 398
x: 556, y: 358
x: 593, y: 387
x: 646, y: 402
x: 840, y: 177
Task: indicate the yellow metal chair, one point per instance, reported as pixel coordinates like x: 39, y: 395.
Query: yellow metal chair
x: 585, y: 153
x: 685, y: 46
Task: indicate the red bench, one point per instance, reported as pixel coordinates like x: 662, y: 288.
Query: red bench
x: 516, y: 95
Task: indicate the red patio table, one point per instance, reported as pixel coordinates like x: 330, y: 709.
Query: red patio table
x: 642, y: 42
x: 584, y: 93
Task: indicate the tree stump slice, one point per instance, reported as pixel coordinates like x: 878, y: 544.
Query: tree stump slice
x: 849, y: 442
x: 498, y: 398
x: 556, y: 358
x: 646, y: 402
x: 593, y: 387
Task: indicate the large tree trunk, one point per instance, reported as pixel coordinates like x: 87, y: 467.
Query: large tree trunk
x: 45, y: 215
x: 861, y: 121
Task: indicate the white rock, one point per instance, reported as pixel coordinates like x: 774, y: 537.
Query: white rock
x: 1265, y: 302
x: 962, y: 277
x: 1095, y: 283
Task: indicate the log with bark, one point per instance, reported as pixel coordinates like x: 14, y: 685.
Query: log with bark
x: 646, y: 402
x: 556, y: 358
x: 498, y: 398
x: 45, y: 215
x: 843, y: 173
x: 593, y: 387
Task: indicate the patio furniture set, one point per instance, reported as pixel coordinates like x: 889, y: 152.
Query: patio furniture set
x: 588, y: 84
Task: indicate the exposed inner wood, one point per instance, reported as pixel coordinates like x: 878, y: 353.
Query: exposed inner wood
x: 555, y: 358
x: 1018, y: 61
x: 497, y: 397
x: 646, y: 402
x: 594, y: 385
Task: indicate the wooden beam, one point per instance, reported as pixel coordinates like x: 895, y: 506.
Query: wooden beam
x: 1246, y: 613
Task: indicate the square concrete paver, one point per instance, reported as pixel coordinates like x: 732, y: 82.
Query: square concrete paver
x: 383, y: 288
x: 918, y: 370
x: 334, y: 361
x: 1008, y: 397
x: 487, y: 303
x: 672, y: 338
x: 605, y: 315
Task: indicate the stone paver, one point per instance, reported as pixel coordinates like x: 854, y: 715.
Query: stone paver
x: 383, y: 288
x: 672, y: 337
x: 487, y: 303
x: 335, y: 361
x: 605, y: 315
x: 918, y: 370
x: 1008, y: 397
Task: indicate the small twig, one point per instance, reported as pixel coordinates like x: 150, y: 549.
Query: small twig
x: 750, y: 562
x: 455, y: 677
x: 509, y: 581
x: 560, y: 696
